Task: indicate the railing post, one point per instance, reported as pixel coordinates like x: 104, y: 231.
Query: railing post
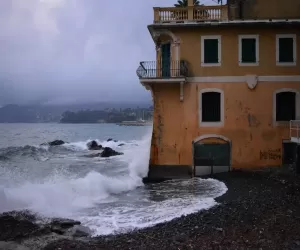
x: 297, y: 132
x: 224, y: 12
x: 190, y: 13
x: 156, y: 14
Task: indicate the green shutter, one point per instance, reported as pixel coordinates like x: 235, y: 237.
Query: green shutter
x: 286, y: 50
x: 248, y: 50
x: 211, y: 51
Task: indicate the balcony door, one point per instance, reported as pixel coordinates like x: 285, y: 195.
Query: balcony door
x: 166, y: 60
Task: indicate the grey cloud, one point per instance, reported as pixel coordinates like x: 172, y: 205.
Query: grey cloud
x: 74, y: 50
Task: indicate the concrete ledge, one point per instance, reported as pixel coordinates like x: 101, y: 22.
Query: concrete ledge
x: 159, y: 173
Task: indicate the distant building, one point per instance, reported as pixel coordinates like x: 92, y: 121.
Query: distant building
x: 225, y: 86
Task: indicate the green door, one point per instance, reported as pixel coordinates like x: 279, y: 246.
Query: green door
x: 166, y: 60
x: 211, y: 158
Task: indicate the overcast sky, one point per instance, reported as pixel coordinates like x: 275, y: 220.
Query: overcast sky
x: 65, y: 51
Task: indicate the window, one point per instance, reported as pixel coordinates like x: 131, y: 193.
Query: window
x: 211, y: 102
x: 286, y: 50
x: 285, y: 106
x: 210, y: 50
x: 248, y: 50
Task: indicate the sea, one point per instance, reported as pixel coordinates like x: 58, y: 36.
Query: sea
x: 105, y: 194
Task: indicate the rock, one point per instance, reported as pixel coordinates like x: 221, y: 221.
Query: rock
x: 65, y: 223
x: 11, y: 246
x: 61, y: 226
x: 93, y: 145
x: 108, y: 152
x: 110, y: 139
x: 56, y: 143
x: 80, y: 231
x: 15, y: 225
x: 120, y: 145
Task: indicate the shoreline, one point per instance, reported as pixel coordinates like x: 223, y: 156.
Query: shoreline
x: 260, y: 210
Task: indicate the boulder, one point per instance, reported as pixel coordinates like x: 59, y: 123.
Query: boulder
x: 61, y: 226
x: 56, y: 143
x: 120, y: 145
x: 93, y: 145
x: 108, y: 152
x: 110, y: 139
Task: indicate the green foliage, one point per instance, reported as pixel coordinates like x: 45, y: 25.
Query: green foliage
x: 184, y: 3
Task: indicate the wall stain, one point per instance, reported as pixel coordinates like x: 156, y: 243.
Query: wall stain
x: 253, y: 121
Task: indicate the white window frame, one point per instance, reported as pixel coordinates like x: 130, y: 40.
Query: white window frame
x: 256, y: 37
x: 211, y: 124
x: 297, y: 115
x: 278, y: 36
x: 219, y: 38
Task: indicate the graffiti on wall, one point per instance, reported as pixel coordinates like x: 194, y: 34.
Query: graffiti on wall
x: 271, y: 154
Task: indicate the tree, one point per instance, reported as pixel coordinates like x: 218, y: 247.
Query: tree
x: 184, y: 3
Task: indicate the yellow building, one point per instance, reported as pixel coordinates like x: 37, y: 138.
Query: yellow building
x: 225, y: 86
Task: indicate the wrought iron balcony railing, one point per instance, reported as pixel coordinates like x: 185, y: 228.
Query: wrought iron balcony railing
x: 161, y: 70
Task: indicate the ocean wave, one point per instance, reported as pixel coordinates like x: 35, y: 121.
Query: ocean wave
x: 44, y: 149
x: 62, y: 194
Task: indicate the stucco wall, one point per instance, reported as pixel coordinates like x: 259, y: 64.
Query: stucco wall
x: 190, y: 50
x: 248, y: 113
x: 264, y: 9
x: 248, y: 123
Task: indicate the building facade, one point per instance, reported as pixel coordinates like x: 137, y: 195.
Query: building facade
x: 225, y: 86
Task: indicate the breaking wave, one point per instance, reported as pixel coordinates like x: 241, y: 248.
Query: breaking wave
x: 106, y: 195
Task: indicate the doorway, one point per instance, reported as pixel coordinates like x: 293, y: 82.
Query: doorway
x: 211, y: 158
x: 166, y: 60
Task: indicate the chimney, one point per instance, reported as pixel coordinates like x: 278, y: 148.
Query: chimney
x: 190, y: 2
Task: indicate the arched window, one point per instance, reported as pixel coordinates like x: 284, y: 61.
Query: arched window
x: 285, y: 105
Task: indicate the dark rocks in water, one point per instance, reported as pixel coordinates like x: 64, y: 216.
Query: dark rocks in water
x: 56, y: 143
x: 120, y: 145
x: 61, y: 226
x: 108, y: 152
x: 93, y: 145
x: 110, y: 139
x: 16, y: 225
x: 80, y: 231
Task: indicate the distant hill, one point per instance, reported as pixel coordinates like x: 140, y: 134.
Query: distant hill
x: 53, y: 113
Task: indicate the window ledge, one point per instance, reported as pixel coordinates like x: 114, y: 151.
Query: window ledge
x: 281, y: 123
x: 286, y: 64
x: 210, y: 64
x: 248, y: 64
x: 211, y: 124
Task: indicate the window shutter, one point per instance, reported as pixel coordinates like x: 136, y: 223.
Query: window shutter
x: 211, y: 51
x: 248, y: 50
x: 286, y: 50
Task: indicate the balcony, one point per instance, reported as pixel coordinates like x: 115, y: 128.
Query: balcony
x: 152, y: 70
x: 190, y: 14
x: 295, y: 131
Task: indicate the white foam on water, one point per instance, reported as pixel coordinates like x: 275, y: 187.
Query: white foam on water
x: 130, y: 217
x: 62, y: 194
